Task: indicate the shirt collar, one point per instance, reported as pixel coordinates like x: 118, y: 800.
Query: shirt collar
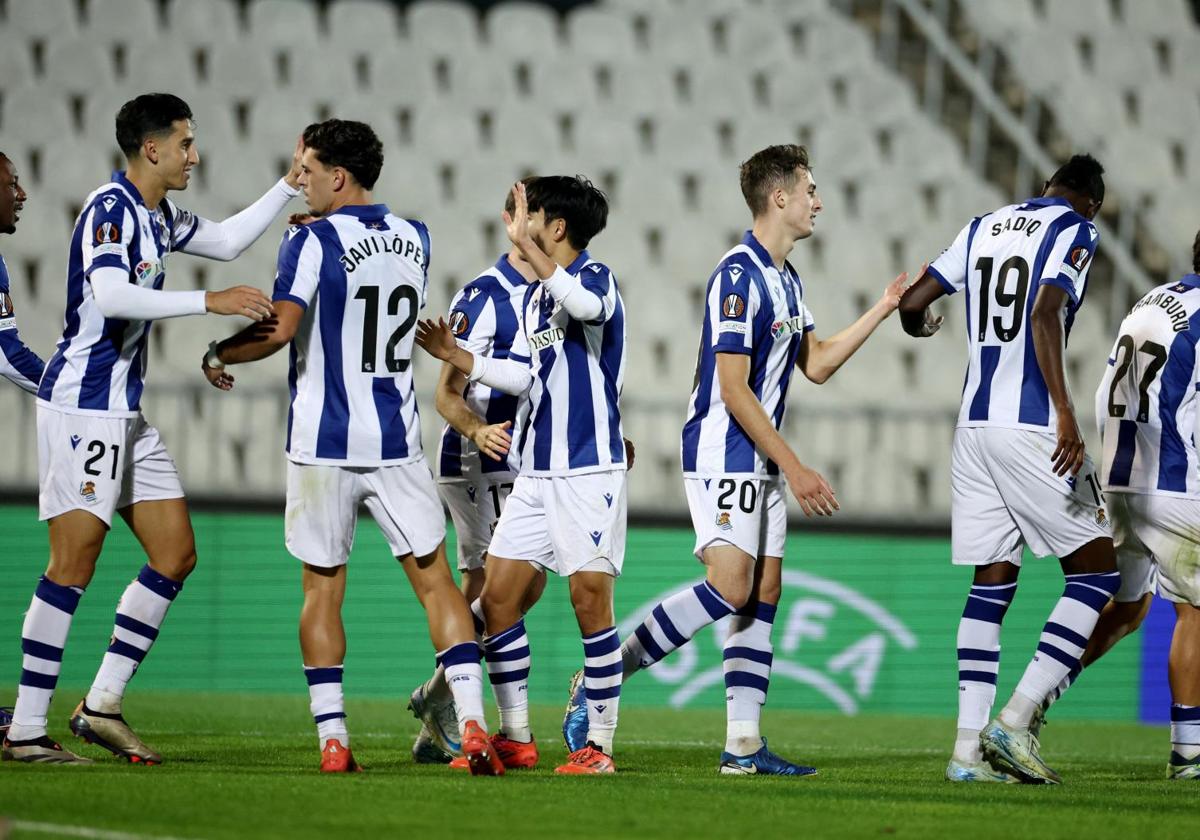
x: 1048, y: 201
x: 363, y: 212
x: 577, y: 264
x: 1192, y: 280
x: 120, y: 178
x: 508, y: 272
x: 751, y: 242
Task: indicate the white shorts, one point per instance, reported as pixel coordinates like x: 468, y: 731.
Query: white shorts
x: 566, y: 524
x: 322, y: 510
x: 1158, y: 541
x: 475, y: 507
x: 100, y: 464
x: 1006, y: 496
x: 746, y: 512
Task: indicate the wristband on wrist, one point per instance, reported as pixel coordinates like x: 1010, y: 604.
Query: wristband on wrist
x: 212, y: 359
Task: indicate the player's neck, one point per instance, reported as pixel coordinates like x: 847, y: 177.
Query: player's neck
x: 357, y: 197
x: 564, y: 254
x: 523, y: 268
x: 151, y: 189
x: 773, y: 236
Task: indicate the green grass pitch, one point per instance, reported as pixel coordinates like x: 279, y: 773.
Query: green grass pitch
x: 245, y: 766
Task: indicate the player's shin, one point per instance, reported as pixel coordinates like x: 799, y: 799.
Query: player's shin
x: 437, y: 689
x: 507, y: 657
x: 1063, y: 640
x: 327, y: 703
x: 747, y: 663
x: 140, y: 614
x: 464, y: 675
x: 979, y: 664
x: 43, y: 637
x: 602, y: 676
x: 671, y: 624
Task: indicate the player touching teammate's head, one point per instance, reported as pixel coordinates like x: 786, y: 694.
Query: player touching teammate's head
x: 1081, y: 182
x: 157, y: 128
x: 1196, y: 253
x: 565, y: 206
x: 340, y: 163
x: 779, y: 179
x: 12, y: 196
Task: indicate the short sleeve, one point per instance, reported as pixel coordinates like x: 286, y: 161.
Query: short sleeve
x: 8, y: 317
x: 950, y: 268
x: 423, y: 234
x: 1070, y: 259
x: 181, y: 223
x: 109, y: 228
x: 810, y: 323
x: 519, y: 352
x: 298, y: 268
x: 472, y: 317
x: 732, y: 304
x: 598, y: 279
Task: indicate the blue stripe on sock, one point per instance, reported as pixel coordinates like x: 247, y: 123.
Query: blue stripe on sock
x: 1055, y: 653
x: 762, y: 657
x: 981, y: 610
x: 508, y: 676
x: 979, y: 654
x: 328, y: 716
x: 1067, y: 633
x: 160, y: 585
x: 33, y: 679
x: 507, y: 655
x: 668, y: 627
x: 1076, y: 590
x: 135, y: 626
x: 1184, y: 714
x: 591, y: 637
x: 643, y: 635
x: 320, y: 676
x: 41, y: 650
x: 466, y: 653
x: 602, y: 647
x: 745, y: 680
x: 711, y: 600
x: 65, y: 598
x: 977, y: 676
x: 601, y: 671
x: 606, y: 693
x: 127, y: 650
x: 504, y: 637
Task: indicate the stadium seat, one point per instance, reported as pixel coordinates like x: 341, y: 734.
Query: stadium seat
x: 363, y: 25
x: 1077, y: 17
x: 34, y: 116
x: 284, y: 24
x: 203, y: 24
x: 79, y: 66
x: 599, y: 32
x: 44, y: 20
x: 241, y: 74
x: 131, y: 23
x: 525, y: 29
x: 447, y: 24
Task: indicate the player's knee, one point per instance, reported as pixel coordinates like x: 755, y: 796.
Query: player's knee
x: 735, y: 593
x: 176, y: 566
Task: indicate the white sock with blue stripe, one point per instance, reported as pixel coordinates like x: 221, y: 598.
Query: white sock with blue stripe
x: 464, y: 674
x: 327, y: 704
x: 979, y: 664
x: 747, y: 661
x: 672, y: 624
x: 43, y: 637
x: 437, y: 691
x: 507, y: 657
x: 140, y: 614
x: 602, y: 677
x: 1185, y: 730
x: 1063, y: 641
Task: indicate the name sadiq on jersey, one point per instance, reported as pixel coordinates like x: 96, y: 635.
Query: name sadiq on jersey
x: 373, y: 245
x: 1175, y: 310
x: 1021, y: 223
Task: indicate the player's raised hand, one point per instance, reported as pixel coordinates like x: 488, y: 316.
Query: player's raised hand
x: 812, y: 491
x: 246, y: 301
x: 896, y: 289
x: 1070, y: 451
x: 293, y: 174
x: 494, y: 441
x: 217, y: 378
x: 436, y: 339
x: 297, y: 219
x: 629, y: 453
x: 517, y: 224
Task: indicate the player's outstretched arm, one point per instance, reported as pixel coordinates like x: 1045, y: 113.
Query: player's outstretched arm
x: 116, y: 297
x: 492, y: 439
x: 1046, y: 323
x: 819, y: 359
x: 18, y: 364
x: 227, y: 239
x: 809, y: 487
x: 502, y: 374
x: 916, y: 317
x: 255, y: 342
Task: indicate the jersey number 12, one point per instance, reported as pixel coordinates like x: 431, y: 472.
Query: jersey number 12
x: 369, y: 295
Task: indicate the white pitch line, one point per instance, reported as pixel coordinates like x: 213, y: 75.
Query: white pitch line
x: 83, y: 831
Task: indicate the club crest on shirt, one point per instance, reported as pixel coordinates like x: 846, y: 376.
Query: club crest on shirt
x: 459, y: 322
x: 107, y: 233
x: 87, y: 491
x: 1080, y: 257
x: 733, y: 306
x: 723, y: 521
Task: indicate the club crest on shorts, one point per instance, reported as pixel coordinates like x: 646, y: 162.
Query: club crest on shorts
x: 723, y: 521
x: 1101, y: 519
x: 733, y: 306
x: 87, y: 491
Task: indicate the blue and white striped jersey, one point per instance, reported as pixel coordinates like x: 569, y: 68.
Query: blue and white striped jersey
x: 1146, y: 402
x: 361, y: 274
x: 756, y: 309
x: 578, y: 369
x: 99, y: 366
x: 486, y: 317
x: 17, y: 362
x: 1001, y: 259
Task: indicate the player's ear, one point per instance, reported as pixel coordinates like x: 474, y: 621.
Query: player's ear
x: 150, y: 150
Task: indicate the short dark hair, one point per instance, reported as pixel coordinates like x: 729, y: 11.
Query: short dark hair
x: 147, y: 115
x: 1083, y: 174
x: 770, y: 169
x: 1196, y: 253
x: 349, y: 144
x: 575, y: 200
x: 510, y: 203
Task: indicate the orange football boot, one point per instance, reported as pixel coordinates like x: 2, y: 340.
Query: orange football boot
x: 482, y: 759
x: 590, y: 759
x: 514, y: 755
x: 338, y: 759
